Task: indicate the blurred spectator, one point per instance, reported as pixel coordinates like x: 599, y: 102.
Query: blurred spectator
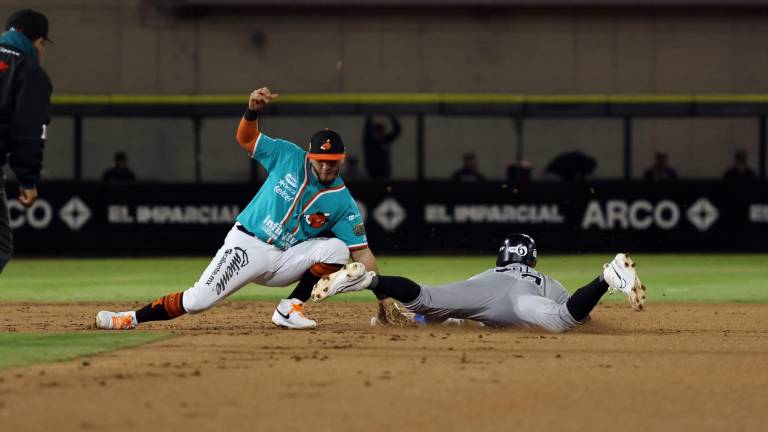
x: 469, y: 172
x: 120, y: 172
x: 739, y: 171
x: 660, y: 170
x: 519, y: 172
x: 377, y: 143
x: 352, y: 171
x: 572, y: 166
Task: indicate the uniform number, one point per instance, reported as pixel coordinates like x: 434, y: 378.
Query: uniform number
x: 533, y: 277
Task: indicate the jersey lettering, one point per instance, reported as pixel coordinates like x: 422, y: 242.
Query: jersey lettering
x: 522, y: 272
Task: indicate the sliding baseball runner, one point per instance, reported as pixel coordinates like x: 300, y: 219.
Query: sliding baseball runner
x: 513, y: 293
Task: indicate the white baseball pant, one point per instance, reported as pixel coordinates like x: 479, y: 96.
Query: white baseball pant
x: 244, y: 259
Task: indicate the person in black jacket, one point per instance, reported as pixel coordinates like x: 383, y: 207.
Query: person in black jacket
x: 25, y: 105
x: 120, y: 172
x: 740, y: 171
x: 377, y: 143
x: 469, y: 171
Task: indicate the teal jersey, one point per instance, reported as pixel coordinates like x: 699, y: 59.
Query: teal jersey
x: 292, y: 205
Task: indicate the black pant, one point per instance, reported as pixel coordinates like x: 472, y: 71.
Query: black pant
x: 6, y: 235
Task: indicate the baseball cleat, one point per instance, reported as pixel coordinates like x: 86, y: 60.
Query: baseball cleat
x: 352, y: 277
x: 289, y: 313
x: 107, y: 320
x: 621, y: 275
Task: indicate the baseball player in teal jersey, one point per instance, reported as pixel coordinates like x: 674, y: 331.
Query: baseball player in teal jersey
x: 281, y: 236
x: 511, y: 294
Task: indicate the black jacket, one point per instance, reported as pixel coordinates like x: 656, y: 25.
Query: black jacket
x: 25, y: 107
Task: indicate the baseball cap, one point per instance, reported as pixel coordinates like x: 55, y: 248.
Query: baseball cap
x: 326, y: 145
x: 32, y: 23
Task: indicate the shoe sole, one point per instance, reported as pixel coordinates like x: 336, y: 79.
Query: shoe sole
x: 287, y: 327
x: 628, y: 261
x: 637, y: 295
x: 290, y: 327
x: 321, y: 290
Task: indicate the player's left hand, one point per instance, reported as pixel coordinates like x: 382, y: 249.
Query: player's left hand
x: 261, y: 97
x: 27, y: 197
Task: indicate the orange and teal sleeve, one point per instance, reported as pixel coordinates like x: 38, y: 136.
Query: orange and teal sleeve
x: 267, y: 151
x: 248, y: 131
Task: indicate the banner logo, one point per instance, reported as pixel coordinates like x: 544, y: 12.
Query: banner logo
x: 758, y: 213
x: 638, y: 215
x: 493, y: 213
x: 702, y: 214
x: 642, y: 214
x: 75, y: 213
x: 389, y: 214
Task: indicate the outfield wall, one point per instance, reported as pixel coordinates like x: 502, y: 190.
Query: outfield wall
x: 407, y: 217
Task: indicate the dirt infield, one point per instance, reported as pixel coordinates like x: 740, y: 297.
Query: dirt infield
x: 673, y: 367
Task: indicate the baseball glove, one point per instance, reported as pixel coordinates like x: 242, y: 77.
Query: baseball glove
x: 389, y: 313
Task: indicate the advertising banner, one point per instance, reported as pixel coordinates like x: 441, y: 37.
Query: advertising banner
x: 407, y: 217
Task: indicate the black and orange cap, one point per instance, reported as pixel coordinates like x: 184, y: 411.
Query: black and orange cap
x: 326, y: 145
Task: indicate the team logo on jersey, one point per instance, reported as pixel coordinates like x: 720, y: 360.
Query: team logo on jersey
x: 3, y: 66
x: 317, y: 220
x: 359, y: 229
x: 326, y: 145
x: 291, y: 180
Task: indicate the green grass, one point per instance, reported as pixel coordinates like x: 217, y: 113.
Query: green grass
x: 696, y: 278
x: 17, y: 349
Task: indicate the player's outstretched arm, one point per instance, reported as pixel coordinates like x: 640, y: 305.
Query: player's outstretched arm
x: 248, y: 129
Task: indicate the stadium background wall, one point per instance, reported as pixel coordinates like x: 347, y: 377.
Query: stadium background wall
x: 406, y: 217
x: 136, y: 47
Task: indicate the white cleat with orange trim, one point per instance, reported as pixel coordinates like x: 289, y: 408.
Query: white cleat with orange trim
x: 290, y: 314
x: 107, y: 320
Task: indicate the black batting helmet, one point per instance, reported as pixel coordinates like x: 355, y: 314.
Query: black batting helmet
x: 517, y: 248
